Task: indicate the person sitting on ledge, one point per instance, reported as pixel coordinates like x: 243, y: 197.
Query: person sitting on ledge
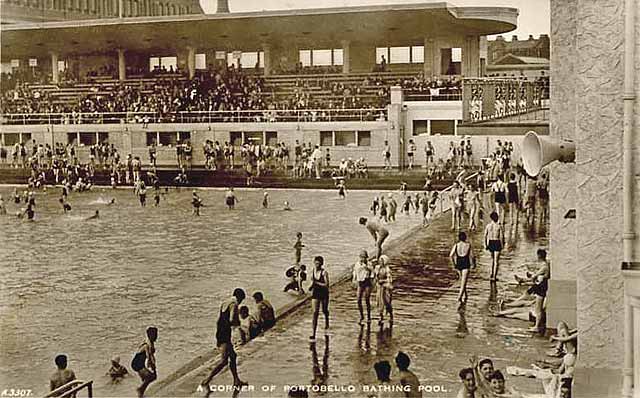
x: 249, y: 325
x: 266, y: 313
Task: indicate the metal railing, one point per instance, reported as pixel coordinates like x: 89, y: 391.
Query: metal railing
x: 71, y: 389
x: 490, y: 99
x: 412, y: 96
x: 237, y: 116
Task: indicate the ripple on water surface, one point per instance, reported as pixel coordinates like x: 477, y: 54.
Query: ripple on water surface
x: 90, y: 288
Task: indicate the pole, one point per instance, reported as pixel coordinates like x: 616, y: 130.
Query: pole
x: 628, y: 236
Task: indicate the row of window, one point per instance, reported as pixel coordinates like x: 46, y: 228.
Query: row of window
x: 396, y: 55
x: 329, y: 57
x: 411, y: 55
x: 321, y: 57
x: 345, y: 138
x: 435, y: 127
x: 247, y: 60
x: 237, y: 138
x: 10, y: 139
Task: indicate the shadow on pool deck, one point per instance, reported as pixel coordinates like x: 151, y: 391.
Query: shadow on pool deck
x: 428, y: 326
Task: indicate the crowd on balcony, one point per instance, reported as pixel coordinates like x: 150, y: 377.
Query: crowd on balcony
x: 229, y: 89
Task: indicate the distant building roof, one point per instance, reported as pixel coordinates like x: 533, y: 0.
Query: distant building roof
x: 510, y: 59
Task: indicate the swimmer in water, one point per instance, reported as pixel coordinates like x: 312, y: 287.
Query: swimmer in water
x: 112, y: 202
x: 156, y: 197
x: 31, y: 203
x: 94, y: 216
x: 286, y: 206
x: 377, y: 231
x: 230, y: 199
x: 342, y: 190
x: 142, y: 194
x: 265, y: 201
x: 66, y: 207
x: 117, y: 372
x: 196, y: 202
x: 16, y: 196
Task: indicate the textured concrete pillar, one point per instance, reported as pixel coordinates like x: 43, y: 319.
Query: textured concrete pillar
x: 470, y: 56
x: 437, y: 57
x: 191, y: 62
x: 266, y: 51
x: 55, y: 76
x: 346, y: 56
x: 595, y: 108
x: 427, y: 68
x: 563, y: 240
x: 122, y: 65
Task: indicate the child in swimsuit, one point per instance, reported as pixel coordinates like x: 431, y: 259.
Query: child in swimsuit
x: 230, y: 199
x: 375, y: 205
x: 342, y: 190
x: 298, y: 247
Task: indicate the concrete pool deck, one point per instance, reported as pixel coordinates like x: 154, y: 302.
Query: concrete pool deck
x: 428, y: 326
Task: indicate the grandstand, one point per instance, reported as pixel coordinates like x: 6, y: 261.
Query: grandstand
x: 315, y: 76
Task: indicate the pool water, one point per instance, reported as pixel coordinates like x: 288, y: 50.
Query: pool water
x: 89, y: 289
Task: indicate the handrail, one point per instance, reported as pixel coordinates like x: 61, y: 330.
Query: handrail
x: 71, y: 388
x: 258, y: 115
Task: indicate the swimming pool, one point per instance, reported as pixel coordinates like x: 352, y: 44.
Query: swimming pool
x: 90, y: 288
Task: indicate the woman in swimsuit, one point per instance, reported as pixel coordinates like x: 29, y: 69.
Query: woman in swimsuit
x: 493, y: 240
x: 320, y: 294
x: 457, y: 210
x: 384, y: 282
x: 499, y: 189
x: 462, y: 259
x: 476, y: 205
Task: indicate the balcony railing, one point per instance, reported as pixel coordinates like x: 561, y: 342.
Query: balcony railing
x: 490, y: 99
x: 245, y: 116
x: 413, y: 96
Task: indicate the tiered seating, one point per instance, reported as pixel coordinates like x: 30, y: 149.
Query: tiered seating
x: 302, y: 91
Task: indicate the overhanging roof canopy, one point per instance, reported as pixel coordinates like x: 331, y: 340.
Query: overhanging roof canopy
x: 385, y: 25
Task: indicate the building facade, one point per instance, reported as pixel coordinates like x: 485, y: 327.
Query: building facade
x: 21, y: 11
x: 536, y: 48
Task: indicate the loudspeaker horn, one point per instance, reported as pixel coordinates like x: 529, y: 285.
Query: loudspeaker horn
x: 538, y: 152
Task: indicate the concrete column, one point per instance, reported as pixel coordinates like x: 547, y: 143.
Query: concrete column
x: 191, y: 62
x: 346, y: 57
x: 428, y: 67
x: 437, y: 58
x: 55, y: 77
x: 266, y: 49
x: 466, y: 57
x: 122, y: 65
x: 396, y: 119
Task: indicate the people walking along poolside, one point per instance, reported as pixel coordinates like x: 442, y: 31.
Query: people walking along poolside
x: 319, y: 294
x: 228, y: 318
x: 462, y: 259
x: 144, y: 361
x: 494, y: 243
x: 362, y: 278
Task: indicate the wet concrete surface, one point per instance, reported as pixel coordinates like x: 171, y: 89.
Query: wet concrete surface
x: 438, y: 336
